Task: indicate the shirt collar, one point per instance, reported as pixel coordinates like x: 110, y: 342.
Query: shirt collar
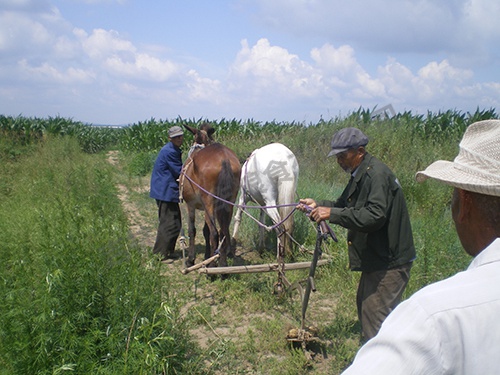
x: 490, y: 254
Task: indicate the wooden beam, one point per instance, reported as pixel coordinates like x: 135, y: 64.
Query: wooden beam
x: 199, y: 265
x: 256, y: 268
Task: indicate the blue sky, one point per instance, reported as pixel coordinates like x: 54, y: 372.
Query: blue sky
x: 124, y: 61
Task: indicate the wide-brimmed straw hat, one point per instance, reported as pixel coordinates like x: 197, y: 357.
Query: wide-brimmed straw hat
x: 477, y: 166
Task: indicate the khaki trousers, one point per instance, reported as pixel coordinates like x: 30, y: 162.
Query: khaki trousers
x: 379, y: 293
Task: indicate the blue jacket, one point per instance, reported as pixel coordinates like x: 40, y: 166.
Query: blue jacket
x: 166, y: 171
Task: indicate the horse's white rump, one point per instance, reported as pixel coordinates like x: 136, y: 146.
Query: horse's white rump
x: 269, y: 178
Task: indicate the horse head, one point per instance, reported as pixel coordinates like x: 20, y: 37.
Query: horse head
x: 203, y: 135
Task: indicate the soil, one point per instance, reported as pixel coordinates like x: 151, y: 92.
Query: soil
x: 144, y: 232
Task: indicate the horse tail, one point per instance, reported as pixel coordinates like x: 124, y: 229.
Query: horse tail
x: 226, y: 186
x: 287, y: 188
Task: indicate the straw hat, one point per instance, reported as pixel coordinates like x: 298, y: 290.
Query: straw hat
x: 175, y: 131
x: 477, y: 166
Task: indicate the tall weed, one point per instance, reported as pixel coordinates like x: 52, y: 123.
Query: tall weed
x: 76, y: 294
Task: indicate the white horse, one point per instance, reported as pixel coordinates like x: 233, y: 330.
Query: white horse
x: 269, y: 178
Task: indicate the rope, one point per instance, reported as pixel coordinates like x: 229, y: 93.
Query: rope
x: 244, y: 206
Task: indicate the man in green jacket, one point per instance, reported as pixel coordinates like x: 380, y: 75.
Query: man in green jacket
x: 380, y: 241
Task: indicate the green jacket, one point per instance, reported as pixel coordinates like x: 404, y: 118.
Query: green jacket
x: 373, y: 209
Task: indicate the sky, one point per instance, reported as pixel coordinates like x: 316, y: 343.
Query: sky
x: 118, y: 62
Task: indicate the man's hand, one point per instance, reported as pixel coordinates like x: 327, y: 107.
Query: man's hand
x: 320, y: 213
x: 306, y: 204
x: 317, y: 213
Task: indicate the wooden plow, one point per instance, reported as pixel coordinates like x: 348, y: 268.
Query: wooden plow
x: 280, y: 267
x: 305, y: 334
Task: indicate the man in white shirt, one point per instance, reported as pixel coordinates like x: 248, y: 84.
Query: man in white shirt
x: 453, y: 326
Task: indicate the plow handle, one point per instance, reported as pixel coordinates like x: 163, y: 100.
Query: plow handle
x: 312, y: 270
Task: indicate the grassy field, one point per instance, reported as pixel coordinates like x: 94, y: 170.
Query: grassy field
x: 83, y: 294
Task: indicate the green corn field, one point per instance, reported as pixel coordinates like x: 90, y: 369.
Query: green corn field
x: 81, y: 295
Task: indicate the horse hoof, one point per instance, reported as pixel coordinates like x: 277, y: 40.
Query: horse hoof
x: 189, y: 263
x: 212, y: 278
x: 233, y: 244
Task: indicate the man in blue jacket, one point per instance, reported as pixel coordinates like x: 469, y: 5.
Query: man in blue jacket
x: 165, y: 189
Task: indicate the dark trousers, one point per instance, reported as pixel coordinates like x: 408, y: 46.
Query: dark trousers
x: 379, y: 293
x: 169, y: 227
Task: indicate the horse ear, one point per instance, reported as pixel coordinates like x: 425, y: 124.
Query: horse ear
x: 206, y: 126
x: 191, y: 129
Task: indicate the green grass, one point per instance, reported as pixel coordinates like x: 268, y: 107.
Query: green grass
x: 82, y: 295
x: 76, y: 294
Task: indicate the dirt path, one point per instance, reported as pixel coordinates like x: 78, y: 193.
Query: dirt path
x: 138, y: 224
x: 237, y: 325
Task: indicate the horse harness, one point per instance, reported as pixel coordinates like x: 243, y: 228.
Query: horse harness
x: 189, y: 161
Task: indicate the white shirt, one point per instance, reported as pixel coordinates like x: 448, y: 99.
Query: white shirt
x: 449, y: 327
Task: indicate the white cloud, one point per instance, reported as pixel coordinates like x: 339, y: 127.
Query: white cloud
x: 264, y: 60
x: 439, y: 73
x: 395, y: 26
x: 18, y: 31
x: 397, y: 79
x: 483, y: 16
x: 46, y: 59
x: 142, y: 66
x: 435, y: 85
x: 54, y: 75
x: 25, y: 5
x: 205, y: 89
x: 119, y: 56
x: 265, y: 69
x: 339, y: 60
x: 335, y: 79
x: 102, y: 43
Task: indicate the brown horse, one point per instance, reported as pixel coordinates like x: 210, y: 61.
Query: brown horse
x: 210, y: 178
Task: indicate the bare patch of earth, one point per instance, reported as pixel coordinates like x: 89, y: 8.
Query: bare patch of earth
x: 207, y: 335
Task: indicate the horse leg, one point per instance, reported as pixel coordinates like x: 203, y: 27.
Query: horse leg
x: 280, y: 244
x: 210, y: 233
x: 275, y: 218
x: 237, y: 220
x: 225, y: 247
x: 262, y: 220
x: 283, y: 237
x: 192, y: 234
x: 206, y: 235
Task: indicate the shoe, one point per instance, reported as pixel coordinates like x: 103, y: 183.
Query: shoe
x: 171, y: 256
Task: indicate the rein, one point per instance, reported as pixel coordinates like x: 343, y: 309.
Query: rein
x: 244, y: 206
x: 194, y: 147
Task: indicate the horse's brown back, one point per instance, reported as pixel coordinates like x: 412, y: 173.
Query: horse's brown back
x: 204, y: 169
x: 212, y: 178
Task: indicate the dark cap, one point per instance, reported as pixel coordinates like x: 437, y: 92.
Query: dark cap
x: 346, y: 139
